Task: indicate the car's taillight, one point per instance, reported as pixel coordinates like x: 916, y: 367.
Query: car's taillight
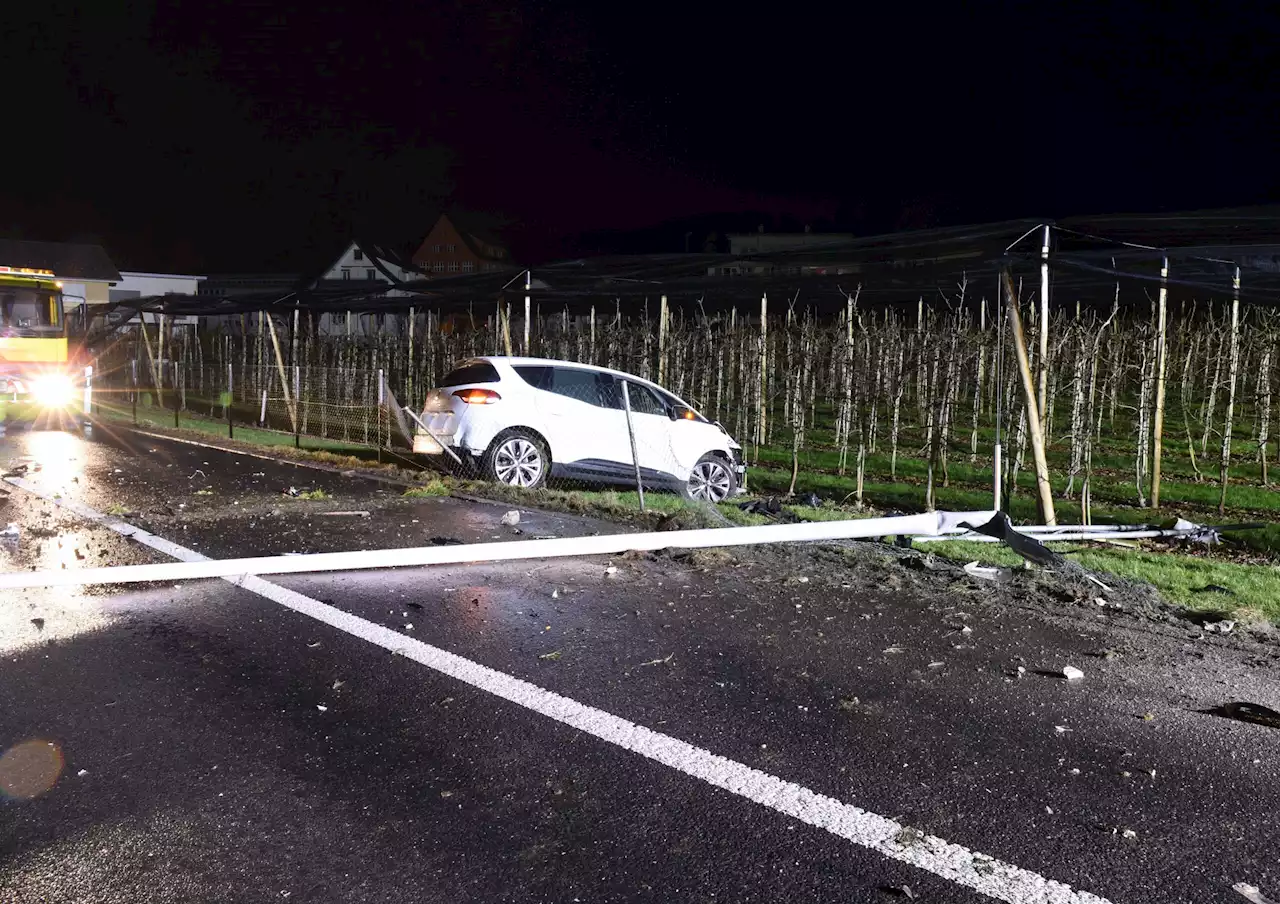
x: 477, y: 396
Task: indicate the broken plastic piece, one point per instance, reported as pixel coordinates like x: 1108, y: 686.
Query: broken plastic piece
x: 1252, y: 893
x: 1071, y: 673
x: 1226, y: 626
x: 987, y: 572
x: 511, y: 518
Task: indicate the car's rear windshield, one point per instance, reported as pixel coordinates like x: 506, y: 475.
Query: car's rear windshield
x: 471, y: 372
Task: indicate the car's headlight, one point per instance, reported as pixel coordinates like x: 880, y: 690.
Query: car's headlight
x: 53, y: 390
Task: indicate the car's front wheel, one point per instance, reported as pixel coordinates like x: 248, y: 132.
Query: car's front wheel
x: 517, y: 458
x: 712, y: 480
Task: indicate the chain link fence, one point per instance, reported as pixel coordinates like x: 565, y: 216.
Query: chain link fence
x: 589, y: 431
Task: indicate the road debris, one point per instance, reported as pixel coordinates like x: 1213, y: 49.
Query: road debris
x: 1061, y: 729
x: 895, y: 649
x: 658, y: 661
x: 1226, y: 626
x: 987, y: 572
x: 343, y: 514
x: 902, y: 891
x: 11, y: 532
x: 552, y: 656
x: 337, y: 684
x: 82, y: 773
x: 1128, y: 833
x: 1253, y: 893
x: 1243, y: 711
x: 1071, y: 673
x: 511, y: 518
x: 39, y: 623
x: 611, y: 570
x: 322, y: 707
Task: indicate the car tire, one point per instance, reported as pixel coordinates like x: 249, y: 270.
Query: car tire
x: 518, y: 458
x: 712, y: 480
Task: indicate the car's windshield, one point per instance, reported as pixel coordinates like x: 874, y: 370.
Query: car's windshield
x: 28, y: 310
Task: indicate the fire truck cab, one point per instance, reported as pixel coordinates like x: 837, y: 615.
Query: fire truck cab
x: 34, y: 363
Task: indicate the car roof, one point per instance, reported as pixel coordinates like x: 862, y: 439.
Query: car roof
x: 552, y: 362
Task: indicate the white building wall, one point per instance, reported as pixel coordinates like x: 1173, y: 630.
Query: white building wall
x: 150, y: 284
x: 353, y: 264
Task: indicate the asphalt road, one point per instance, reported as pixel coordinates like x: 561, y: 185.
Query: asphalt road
x: 199, y: 742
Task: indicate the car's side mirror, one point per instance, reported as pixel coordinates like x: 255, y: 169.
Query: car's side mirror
x: 681, y: 413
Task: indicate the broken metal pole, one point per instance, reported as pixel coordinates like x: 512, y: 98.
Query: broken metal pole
x: 928, y: 524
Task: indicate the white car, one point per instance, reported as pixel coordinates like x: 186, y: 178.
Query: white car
x: 522, y: 420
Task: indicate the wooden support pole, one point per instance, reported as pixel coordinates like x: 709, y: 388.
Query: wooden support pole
x: 1157, y: 428
x: 1044, y: 491
x: 284, y: 379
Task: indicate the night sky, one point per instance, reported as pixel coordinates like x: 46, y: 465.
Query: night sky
x: 235, y: 136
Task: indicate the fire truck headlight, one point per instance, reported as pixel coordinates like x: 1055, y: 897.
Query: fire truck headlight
x: 53, y: 390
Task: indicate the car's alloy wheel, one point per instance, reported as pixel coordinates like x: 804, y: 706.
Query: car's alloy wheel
x: 711, y: 480
x: 518, y: 462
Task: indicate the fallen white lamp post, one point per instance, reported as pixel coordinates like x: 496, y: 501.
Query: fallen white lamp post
x: 927, y: 524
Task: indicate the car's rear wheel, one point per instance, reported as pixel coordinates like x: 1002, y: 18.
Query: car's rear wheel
x: 518, y: 459
x: 712, y: 480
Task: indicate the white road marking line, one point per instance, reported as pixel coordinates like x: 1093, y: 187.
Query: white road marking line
x: 953, y: 862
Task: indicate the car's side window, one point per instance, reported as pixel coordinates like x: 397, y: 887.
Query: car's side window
x: 582, y: 385
x: 536, y: 376
x: 644, y: 400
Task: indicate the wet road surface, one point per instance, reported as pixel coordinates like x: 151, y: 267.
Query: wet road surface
x: 198, y: 742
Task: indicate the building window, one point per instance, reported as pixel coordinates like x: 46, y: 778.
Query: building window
x: 451, y: 248
x: 437, y: 267
x: 357, y: 255
x: 338, y: 318
x: 453, y: 266
x: 346, y: 274
x: 435, y: 248
x: 468, y: 266
x: 370, y: 273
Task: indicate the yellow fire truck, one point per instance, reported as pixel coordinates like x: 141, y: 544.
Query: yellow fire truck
x: 34, y: 364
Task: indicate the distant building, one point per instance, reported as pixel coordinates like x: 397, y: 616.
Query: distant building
x: 744, y: 245
x: 453, y: 250
x: 136, y: 284
x: 355, y: 264
x: 775, y: 242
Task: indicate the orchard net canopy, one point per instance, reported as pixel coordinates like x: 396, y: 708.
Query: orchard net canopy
x: 1092, y: 259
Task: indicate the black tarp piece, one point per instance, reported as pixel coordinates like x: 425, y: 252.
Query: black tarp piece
x: 1030, y: 549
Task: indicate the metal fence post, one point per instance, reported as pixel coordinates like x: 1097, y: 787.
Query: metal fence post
x: 631, y: 434
x: 297, y: 408
x: 133, y: 393
x: 231, y: 398
x: 378, y: 428
x: 173, y: 369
